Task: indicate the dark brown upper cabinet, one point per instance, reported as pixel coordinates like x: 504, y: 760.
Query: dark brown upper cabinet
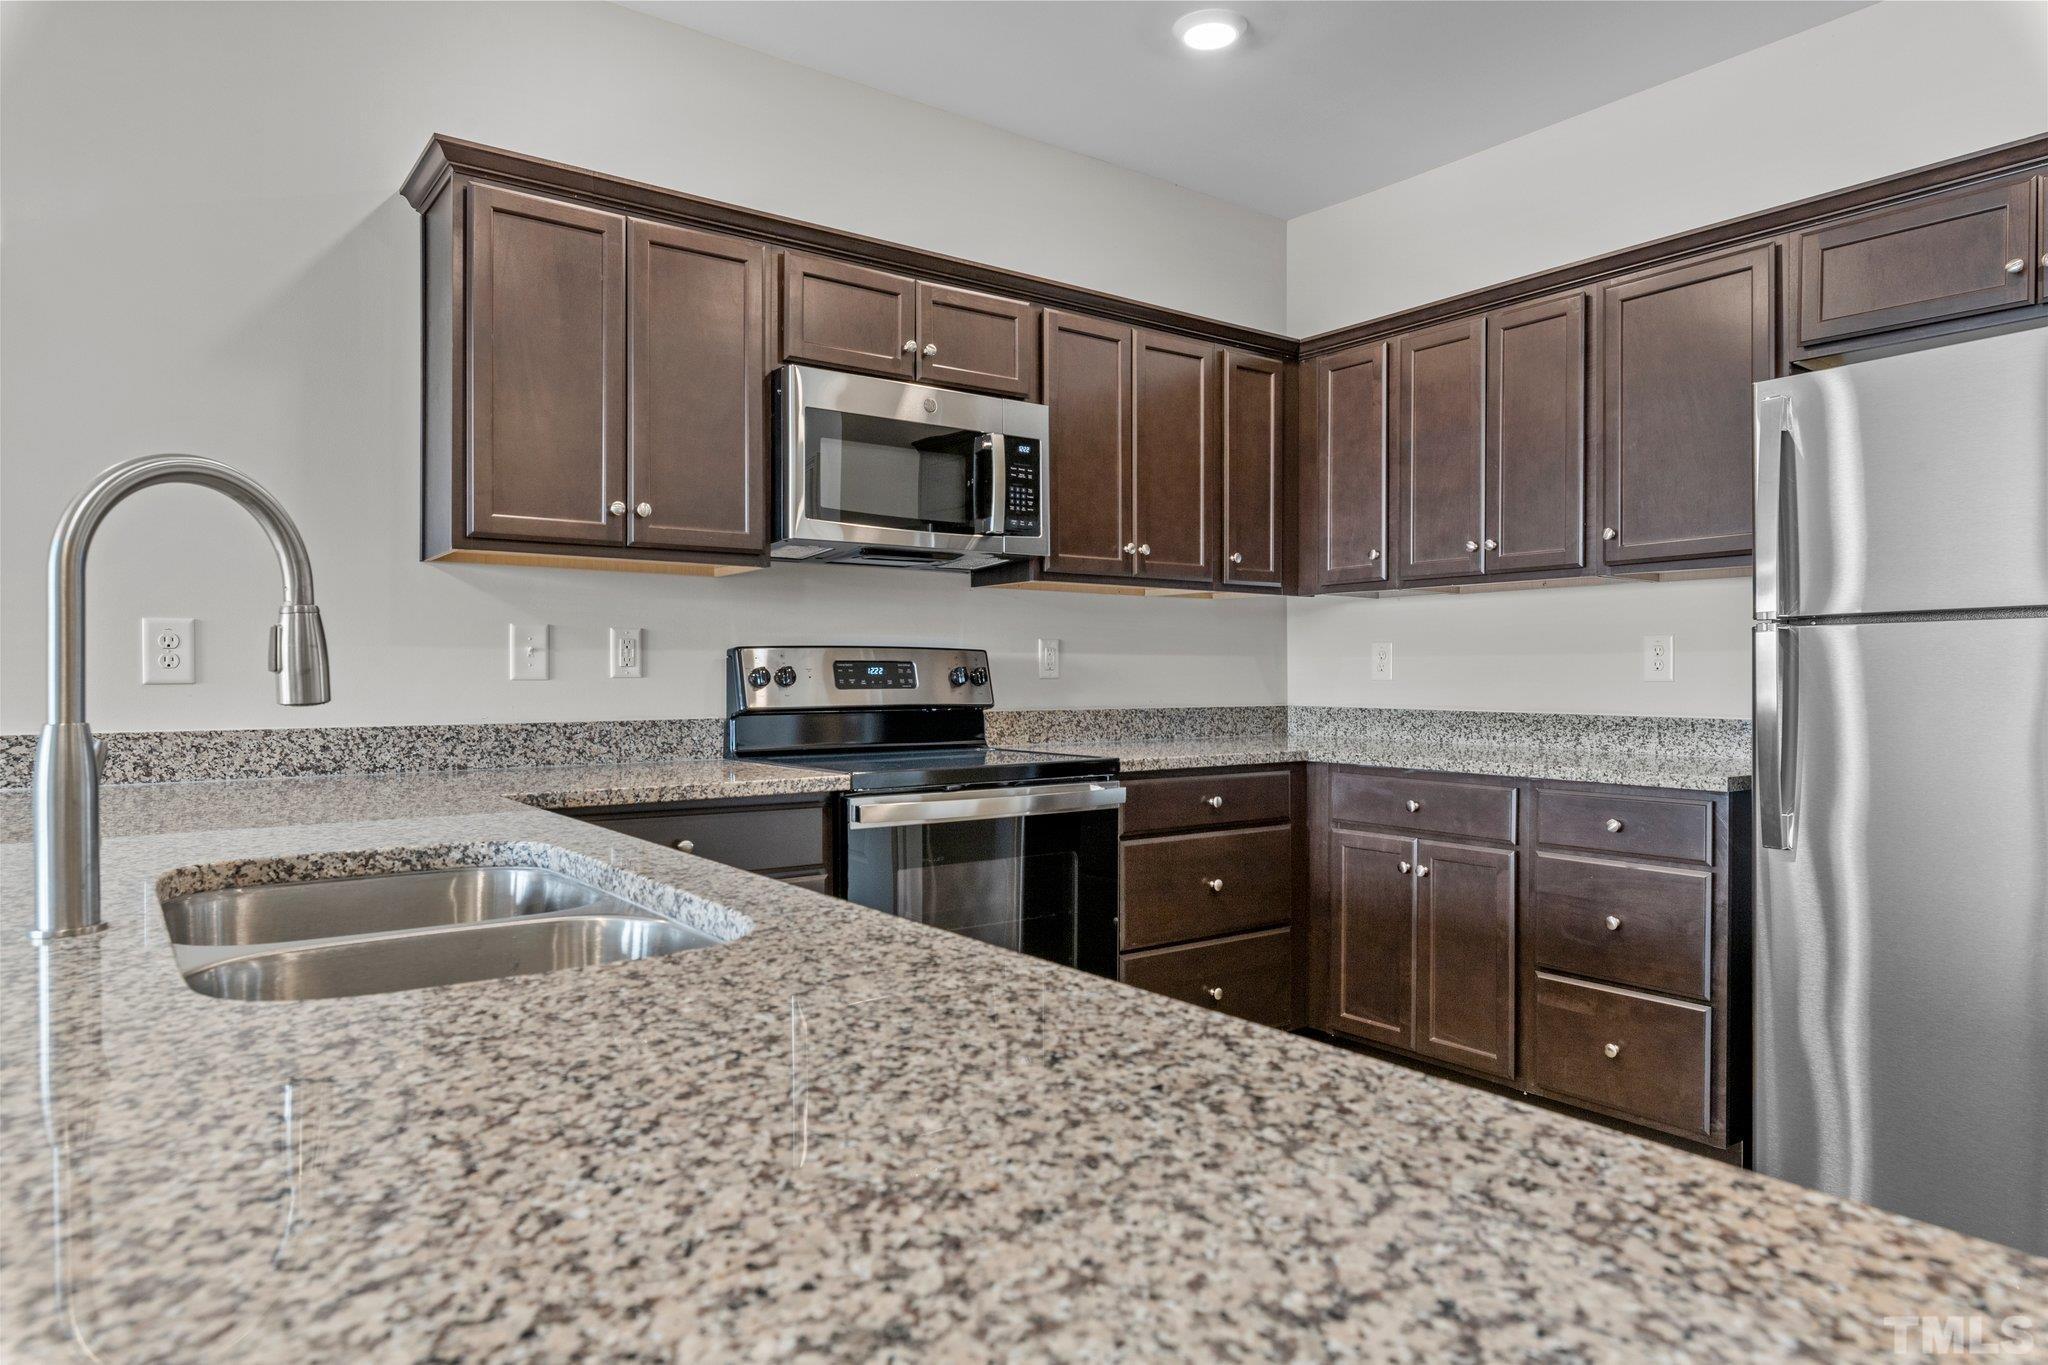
x: 1536, y: 436
x: 1175, y: 457
x: 1948, y: 255
x: 976, y: 341
x: 1088, y: 400
x: 848, y: 317
x: 1345, y: 482
x: 1372, y: 916
x: 1681, y: 347
x: 1439, y: 444
x: 2041, y: 234
x: 697, y: 452
x: 547, y: 369
x: 1465, y: 956
x: 1254, y: 461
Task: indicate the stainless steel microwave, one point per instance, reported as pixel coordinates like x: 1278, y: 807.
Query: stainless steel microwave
x: 876, y: 471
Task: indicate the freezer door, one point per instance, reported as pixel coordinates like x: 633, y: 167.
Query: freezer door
x: 1907, y: 483
x: 1901, y: 961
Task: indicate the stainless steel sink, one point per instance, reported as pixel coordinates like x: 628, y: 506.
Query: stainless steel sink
x: 406, y: 931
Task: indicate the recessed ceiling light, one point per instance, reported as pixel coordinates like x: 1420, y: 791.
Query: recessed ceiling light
x: 1209, y: 30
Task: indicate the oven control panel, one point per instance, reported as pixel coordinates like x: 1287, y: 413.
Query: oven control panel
x: 1024, y: 456
x: 861, y: 675
x: 838, y: 677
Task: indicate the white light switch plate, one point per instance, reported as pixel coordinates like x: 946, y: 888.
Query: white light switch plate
x: 1658, y: 661
x: 168, y: 657
x: 1048, y: 658
x: 1383, y: 661
x: 529, y: 652
x: 628, y: 642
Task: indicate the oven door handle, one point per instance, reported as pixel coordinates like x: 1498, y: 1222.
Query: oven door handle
x: 1000, y: 803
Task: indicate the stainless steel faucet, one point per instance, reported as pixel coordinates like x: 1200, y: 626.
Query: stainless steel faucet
x: 67, y: 782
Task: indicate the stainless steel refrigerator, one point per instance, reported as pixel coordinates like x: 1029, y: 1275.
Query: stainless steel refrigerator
x: 1901, y: 674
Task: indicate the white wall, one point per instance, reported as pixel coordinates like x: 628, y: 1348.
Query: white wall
x: 203, y: 249
x: 1879, y: 91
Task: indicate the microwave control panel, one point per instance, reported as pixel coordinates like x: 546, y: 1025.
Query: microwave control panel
x: 1020, y: 508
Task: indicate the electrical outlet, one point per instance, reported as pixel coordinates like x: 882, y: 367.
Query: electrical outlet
x: 1383, y: 661
x: 1658, y: 662
x: 627, y: 645
x: 1048, y: 658
x: 168, y: 656
x: 529, y: 652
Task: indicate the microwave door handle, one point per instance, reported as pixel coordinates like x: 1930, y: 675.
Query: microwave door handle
x: 989, y: 455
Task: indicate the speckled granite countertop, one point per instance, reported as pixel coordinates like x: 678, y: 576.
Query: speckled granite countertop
x: 840, y: 1136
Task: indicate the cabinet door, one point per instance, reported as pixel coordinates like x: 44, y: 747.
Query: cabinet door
x: 697, y: 458
x: 1536, y: 436
x: 1253, y: 451
x: 1372, y: 904
x: 1088, y: 398
x: 976, y: 341
x: 1348, y: 467
x: 848, y: 317
x: 1681, y: 348
x: 1465, y: 956
x: 1948, y: 255
x: 1440, y: 438
x: 547, y: 368
x: 1174, y: 457
x: 2041, y: 235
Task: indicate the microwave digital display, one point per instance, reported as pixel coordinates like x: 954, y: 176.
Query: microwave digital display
x: 884, y: 673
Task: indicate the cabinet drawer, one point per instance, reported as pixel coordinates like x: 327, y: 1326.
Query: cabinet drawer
x: 1251, y: 976
x: 1643, y: 926
x: 1659, y: 1070
x: 1470, y: 809
x: 1160, y: 805
x: 1191, y: 886
x: 757, y: 838
x: 1645, y: 826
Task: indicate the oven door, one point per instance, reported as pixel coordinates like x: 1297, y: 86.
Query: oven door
x: 879, y: 462
x: 1032, y: 869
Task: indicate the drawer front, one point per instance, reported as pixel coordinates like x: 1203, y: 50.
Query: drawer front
x: 1639, y: 925
x: 1472, y: 810
x: 1251, y: 976
x: 1662, y: 1050
x: 1636, y: 826
x: 820, y: 882
x: 1161, y: 805
x: 1190, y: 886
x: 759, y: 838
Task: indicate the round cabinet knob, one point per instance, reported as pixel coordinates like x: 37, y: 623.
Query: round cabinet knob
x: 618, y: 509
x: 786, y: 676
x: 978, y: 676
x: 1492, y: 544
x: 645, y: 509
x: 1237, y: 556
x: 687, y: 845
x: 1612, y: 1049
x: 958, y: 677
x: 910, y: 348
x: 1130, y: 547
x: 1213, y: 802
x: 1215, y: 992
x: 1214, y: 884
x: 1421, y: 871
x: 1371, y: 555
x: 1405, y: 866
x: 931, y: 348
x: 2015, y: 265
x: 1607, y: 534
x: 1613, y: 923
x: 1614, y: 826
x: 758, y: 677
x: 1144, y: 549
x: 1414, y: 806
x: 1471, y: 545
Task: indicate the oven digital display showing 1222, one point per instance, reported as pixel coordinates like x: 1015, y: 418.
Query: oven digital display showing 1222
x: 893, y: 673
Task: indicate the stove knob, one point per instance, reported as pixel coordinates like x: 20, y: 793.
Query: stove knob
x: 786, y: 676
x: 758, y: 678
x: 978, y: 676
x: 958, y: 677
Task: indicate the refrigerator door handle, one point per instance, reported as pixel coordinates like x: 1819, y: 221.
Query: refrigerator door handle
x: 1777, y: 736
x: 1777, y: 455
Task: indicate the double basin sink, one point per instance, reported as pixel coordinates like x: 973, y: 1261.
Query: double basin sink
x: 405, y: 931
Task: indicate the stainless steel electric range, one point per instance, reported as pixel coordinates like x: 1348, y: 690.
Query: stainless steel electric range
x: 1013, y: 847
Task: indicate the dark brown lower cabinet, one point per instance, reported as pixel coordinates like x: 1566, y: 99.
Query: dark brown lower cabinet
x: 1250, y: 976
x: 1372, y: 915
x: 788, y: 838
x: 1465, y: 956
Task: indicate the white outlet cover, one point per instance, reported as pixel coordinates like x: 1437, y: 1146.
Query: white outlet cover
x: 1048, y: 658
x: 529, y: 655
x: 169, y: 658
x: 1383, y: 661
x: 628, y: 650
x: 1659, y: 663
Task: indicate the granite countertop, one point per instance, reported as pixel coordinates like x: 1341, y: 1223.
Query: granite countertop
x: 841, y: 1135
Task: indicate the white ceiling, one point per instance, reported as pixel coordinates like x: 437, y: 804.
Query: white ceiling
x: 1322, y: 101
